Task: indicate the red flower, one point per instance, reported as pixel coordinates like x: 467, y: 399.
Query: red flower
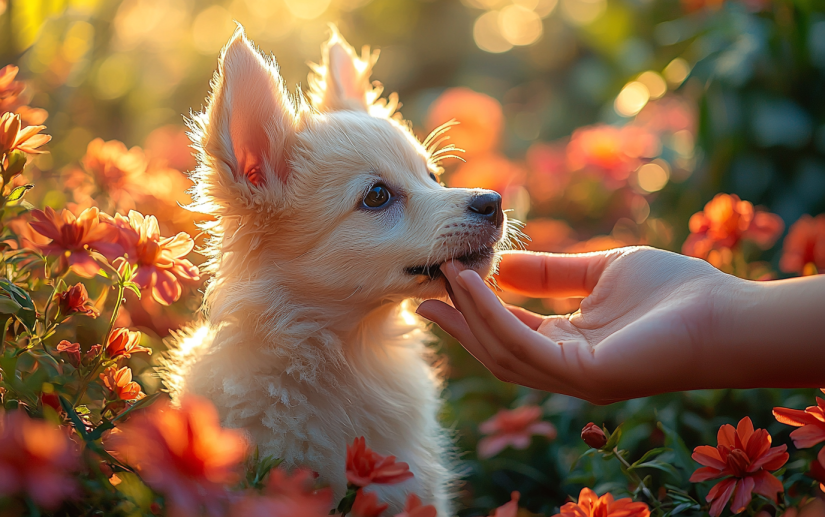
x: 514, y: 428
x: 743, y: 457
x: 366, y: 505
x: 160, y: 260
x: 811, y: 423
x: 285, y: 495
x: 804, y: 246
x: 591, y: 505
x: 120, y: 383
x: 112, y: 165
x: 124, y: 343
x: 610, y: 151
x: 76, y: 300
x: 183, y: 453
x: 594, y: 436
x: 71, y: 351
x: 725, y: 221
x: 510, y: 508
x: 365, y: 466
x: 414, y: 508
x: 36, y: 459
x: 72, y: 237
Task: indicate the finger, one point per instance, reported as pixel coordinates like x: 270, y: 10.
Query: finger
x: 531, y: 319
x: 453, y: 323
x: 552, y: 275
x: 514, y: 345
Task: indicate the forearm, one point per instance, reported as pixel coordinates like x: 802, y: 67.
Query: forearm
x: 772, y: 334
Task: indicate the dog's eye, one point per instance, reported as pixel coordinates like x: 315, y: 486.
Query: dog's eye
x: 434, y: 178
x: 378, y: 196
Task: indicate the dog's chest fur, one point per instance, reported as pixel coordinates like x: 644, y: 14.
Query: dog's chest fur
x: 304, y: 392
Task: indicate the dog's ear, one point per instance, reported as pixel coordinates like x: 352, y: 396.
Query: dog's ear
x: 342, y: 80
x: 250, y: 121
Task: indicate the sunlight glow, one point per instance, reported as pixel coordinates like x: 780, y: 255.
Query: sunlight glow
x: 632, y: 99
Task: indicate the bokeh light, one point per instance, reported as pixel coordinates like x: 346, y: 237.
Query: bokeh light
x: 519, y: 25
x: 632, y: 99
x: 655, y: 84
x: 307, y: 9
x: 652, y: 177
x: 676, y: 71
x: 582, y: 12
x: 487, y: 34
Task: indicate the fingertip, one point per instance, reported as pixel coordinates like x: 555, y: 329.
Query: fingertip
x: 431, y: 309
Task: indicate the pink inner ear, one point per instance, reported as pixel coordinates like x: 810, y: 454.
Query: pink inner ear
x: 254, y: 117
x: 345, y: 76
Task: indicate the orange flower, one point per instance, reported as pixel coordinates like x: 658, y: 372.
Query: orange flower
x: 160, y: 260
x: 71, y: 351
x: 73, y: 236
x: 492, y: 171
x: 591, y: 505
x: 610, y: 151
x: 285, y: 495
x: 120, y: 383
x: 76, y: 300
x: 514, y: 428
x: 35, y: 460
x: 743, y: 457
x: 414, y: 508
x: 804, y: 245
x: 27, y: 140
x: 112, y: 165
x: 480, y: 119
x: 9, y: 88
x: 811, y: 423
x: 183, y: 453
x: 366, y: 505
x: 124, y: 343
x: 725, y: 221
x: 365, y: 466
x: 510, y: 508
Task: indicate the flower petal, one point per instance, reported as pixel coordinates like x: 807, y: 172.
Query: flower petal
x: 708, y: 456
x: 744, y: 494
x: 719, y: 495
x: 768, y: 485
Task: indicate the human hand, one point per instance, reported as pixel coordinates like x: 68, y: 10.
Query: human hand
x: 649, y: 323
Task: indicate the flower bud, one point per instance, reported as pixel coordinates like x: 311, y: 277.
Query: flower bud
x: 593, y: 436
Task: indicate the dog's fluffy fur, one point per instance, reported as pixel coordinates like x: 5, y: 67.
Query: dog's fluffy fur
x: 309, y: 341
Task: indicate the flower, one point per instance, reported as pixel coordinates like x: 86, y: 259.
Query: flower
x: 514, y: 428
x: 594, y: 436
x: 160, y: 260
x: 366, y: 505
x: 591, y: 505
x: 72, y: 237
x: 13, y: 138
x: 182, y: 452
x: 285, y: 495
x: 508, y: 509
x: 414, y: 508
x: 70, y: 351
x: 36, y: 460
x: 725, y: 221
x: 120, y: 383
x: 811, y: 423
x: 804, y: 246
x: 124, y: 343
x: 480, y: 118
x: 10, y: 89
x: 611, y: 151
x: 743, y: 457
x: 112, y: 165
x: 76, y: 300
x: 365, y: 466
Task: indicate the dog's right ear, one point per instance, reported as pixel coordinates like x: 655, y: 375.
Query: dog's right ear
x: 245, y: 134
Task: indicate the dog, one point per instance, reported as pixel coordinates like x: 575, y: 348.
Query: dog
x: 329, y: 218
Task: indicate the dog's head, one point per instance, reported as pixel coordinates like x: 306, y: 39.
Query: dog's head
x: 333, y: 196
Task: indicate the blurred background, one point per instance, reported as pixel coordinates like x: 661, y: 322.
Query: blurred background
x: 603, y: 123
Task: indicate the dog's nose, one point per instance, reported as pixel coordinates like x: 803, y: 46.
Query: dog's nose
x: 488, y: 206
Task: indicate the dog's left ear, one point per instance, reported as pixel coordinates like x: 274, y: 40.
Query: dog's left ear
x: 342, y: 80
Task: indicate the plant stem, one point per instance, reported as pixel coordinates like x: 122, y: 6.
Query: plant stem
x: 635, y: 478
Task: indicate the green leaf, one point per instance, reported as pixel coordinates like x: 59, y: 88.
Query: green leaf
x: 79, y: 426
x: 589, y: 452
x: 659, y: 465
x: 47, y: 361
x: 17, y: 160
x: 9, y: 306
x: 140, y: 404
x: 648, y: 454
x: 133, y: 287
x: 613, y: 438
x: 19, y: 192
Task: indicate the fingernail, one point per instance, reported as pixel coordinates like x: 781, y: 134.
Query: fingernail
x: 460, y: 278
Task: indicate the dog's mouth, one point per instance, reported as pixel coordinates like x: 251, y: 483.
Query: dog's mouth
x: 470, y: 260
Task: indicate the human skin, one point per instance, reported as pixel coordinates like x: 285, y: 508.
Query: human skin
x: 651, y: 322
